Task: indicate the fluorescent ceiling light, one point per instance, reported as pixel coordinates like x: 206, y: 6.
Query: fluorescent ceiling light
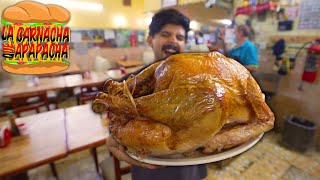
x: 148, y: 20
x: 191, y: 33
x: 194, y: 25
x: 226, y: 21
x: 70, y: 4
x: 119, y: 21
x: 223, y: 21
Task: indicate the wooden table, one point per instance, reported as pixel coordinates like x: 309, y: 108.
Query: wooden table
x: 133, y: 69
x: 85, y: 128
x: 52, y: 136
x: 45, y: 143
x: 78, y: 80
x: 20, y: 87
x: 129, y: 63
x: 72, y: 69
x: 116, y: 73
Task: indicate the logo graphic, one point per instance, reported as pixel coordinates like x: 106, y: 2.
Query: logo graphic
x: 35, y: 38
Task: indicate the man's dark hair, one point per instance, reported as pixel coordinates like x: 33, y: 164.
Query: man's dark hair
x: 168, y: 16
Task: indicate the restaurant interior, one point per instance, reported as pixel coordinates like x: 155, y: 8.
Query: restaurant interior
x: 60, y: 137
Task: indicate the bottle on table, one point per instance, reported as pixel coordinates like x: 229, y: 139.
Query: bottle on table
x: 14, y: 128
x: 123, y: 71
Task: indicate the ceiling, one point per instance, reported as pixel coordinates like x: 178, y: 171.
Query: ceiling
x: 198, y: 12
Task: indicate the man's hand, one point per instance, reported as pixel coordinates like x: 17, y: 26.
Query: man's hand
x: 119, y: 151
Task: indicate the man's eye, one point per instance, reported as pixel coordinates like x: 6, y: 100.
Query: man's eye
x: 180, y: 38
x: 165, y: 34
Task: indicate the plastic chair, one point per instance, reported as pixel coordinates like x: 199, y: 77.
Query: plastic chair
x: 101, y: 64
x: 53, y: 98
x: 148, y: 57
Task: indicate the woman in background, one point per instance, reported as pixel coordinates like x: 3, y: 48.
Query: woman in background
x: 245, y: 51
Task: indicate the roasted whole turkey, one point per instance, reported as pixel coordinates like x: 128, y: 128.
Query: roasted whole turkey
x: 186, y: 102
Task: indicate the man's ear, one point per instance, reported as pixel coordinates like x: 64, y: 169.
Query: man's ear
x: 149, y: 40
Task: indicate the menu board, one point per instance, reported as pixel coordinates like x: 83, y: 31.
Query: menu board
x: 309, y: 14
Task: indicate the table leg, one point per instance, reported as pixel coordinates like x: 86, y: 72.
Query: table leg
x: 54, y: 170
x: 117, y: 168
x: 93, y: 152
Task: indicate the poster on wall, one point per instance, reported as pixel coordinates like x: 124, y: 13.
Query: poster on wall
x: 122, y: 38
x: 108, y: 38
x: 140, y: 38
x: 81, y: 48
x: 309, y: 14
x: 76, y: 37
x: 292, y: 12
x: 109, y: 34
x: 92, y: 36
x: 129, y: 38
x: 0, y: 41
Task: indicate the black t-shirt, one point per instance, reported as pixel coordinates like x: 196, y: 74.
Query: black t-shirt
x: 196, y: 172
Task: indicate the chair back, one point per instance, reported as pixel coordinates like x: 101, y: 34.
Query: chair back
x: 4, y: 107
x: 112, y: 169
x: 30, y: 101
x: 89, y: 92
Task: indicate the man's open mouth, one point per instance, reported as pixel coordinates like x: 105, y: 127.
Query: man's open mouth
x: 170, y: 49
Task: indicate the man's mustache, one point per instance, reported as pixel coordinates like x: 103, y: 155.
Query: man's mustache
x: 171, y: 47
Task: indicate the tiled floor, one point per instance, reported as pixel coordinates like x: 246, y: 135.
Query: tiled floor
x: 269, y: 160
x: 266, y: 160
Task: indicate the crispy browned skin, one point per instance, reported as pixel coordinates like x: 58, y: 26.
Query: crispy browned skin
x: 186, y: 102
x: 142, y: 84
